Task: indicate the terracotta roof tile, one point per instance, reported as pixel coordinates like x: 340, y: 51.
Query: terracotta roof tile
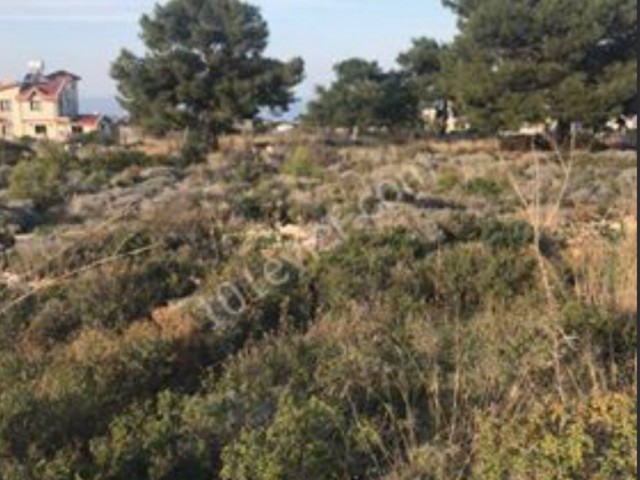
x: 49, y: 86
x: 88, y: 120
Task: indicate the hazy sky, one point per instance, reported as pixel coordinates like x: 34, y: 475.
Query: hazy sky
x: 84, y: 36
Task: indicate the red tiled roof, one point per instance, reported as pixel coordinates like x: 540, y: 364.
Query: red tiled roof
x: 64, y: 73
x: 87, y: 120
x: 49, y: 86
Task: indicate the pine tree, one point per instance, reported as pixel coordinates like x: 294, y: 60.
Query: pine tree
x: 204, y: 69
x: 535, y: 60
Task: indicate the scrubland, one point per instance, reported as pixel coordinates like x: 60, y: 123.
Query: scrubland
x: 316, y: 311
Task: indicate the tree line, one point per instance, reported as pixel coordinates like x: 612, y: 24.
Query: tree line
x: 512, y: 62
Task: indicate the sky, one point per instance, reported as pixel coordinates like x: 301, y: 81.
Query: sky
x: 84, y: 36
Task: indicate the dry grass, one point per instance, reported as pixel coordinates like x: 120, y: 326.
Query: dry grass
x: 607, y: 271
x: 465, y: 147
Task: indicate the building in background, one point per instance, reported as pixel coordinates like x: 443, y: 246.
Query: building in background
x: 443, y: 118
x: 46, y: 106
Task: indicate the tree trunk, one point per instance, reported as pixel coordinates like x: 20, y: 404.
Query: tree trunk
x: 563, y: 134
x: 442, y: 118
x: 214, y: 142
x: 445, y: 118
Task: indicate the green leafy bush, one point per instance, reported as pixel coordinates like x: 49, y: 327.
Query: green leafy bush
x: 592, y: 440
x: 447, y: 180
x: 467, y: 277
x: 11, y: 153
x: 309, y: 439
x: 41, y: 180
x: 362, y: 266
x: 302, y: 163
x: 150, y: 441
x: 484, y: 187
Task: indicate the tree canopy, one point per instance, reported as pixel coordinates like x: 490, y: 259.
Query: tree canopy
x: 528, y: 61
x: 423, y: 64
x: 204, y: 68
x: 364, y: 96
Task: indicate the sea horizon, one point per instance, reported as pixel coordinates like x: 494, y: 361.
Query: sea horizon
x: 108, y: 105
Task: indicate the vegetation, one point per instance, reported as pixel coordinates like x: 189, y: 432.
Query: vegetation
x: 302, y: 164
x: 522, y: 61
x: 53, y: 174
x: 423, y: 64
x: 263, y: 342
x: 364, y: 97
x: 430, y: 310
x: 41, y: 180
x: 512, y: 64
x: 207, y: 77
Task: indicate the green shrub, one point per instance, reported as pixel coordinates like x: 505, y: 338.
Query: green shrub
x: 590, y: 439
x: 447, y: 180
x: 485, y: 187
x: 467, y: 277
x: 307, y: 212
x: 309, y: 439
x: 362, y: 266
x: 255, y: 295
x: 12, y: 153
x: 507, y: 235
x: 151, y: 441
x: 251, y: 207
x: 302, y: 163
x: 41, y: 180
x: 610, y: 335
x: 118, y: 160
x: 493, y: 232
x: 94, y: 138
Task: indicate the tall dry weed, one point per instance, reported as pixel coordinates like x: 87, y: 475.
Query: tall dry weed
x: 606, y: 271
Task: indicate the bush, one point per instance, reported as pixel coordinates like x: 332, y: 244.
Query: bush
x: 507, y: 235
x: 362, y: 266
x: 94, y: 138
x: 12, y: 153
x: 447, y: 180
x: 493, y: 232
x: 114, y: 161
x: 467, y: 277
x: 484, y: 187
x: 41, y: 180
x: 150, y: 441
x: 592, y: 439
x: 308, y: 439
x: 188, y: 342
x: 302, y: 163
x: 251, y: 208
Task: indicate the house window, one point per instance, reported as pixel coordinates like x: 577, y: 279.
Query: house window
x: 77, y: 130
x: 40, y: 129
x: 5, y: 105
x: 36, y: 106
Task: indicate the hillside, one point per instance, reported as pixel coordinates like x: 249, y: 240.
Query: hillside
x: 315, y: 311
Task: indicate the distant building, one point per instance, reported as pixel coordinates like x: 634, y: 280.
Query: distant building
x: 284, y: 127
x: 45, y: 107
x: 442, y: 116
x: 623, y: 123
